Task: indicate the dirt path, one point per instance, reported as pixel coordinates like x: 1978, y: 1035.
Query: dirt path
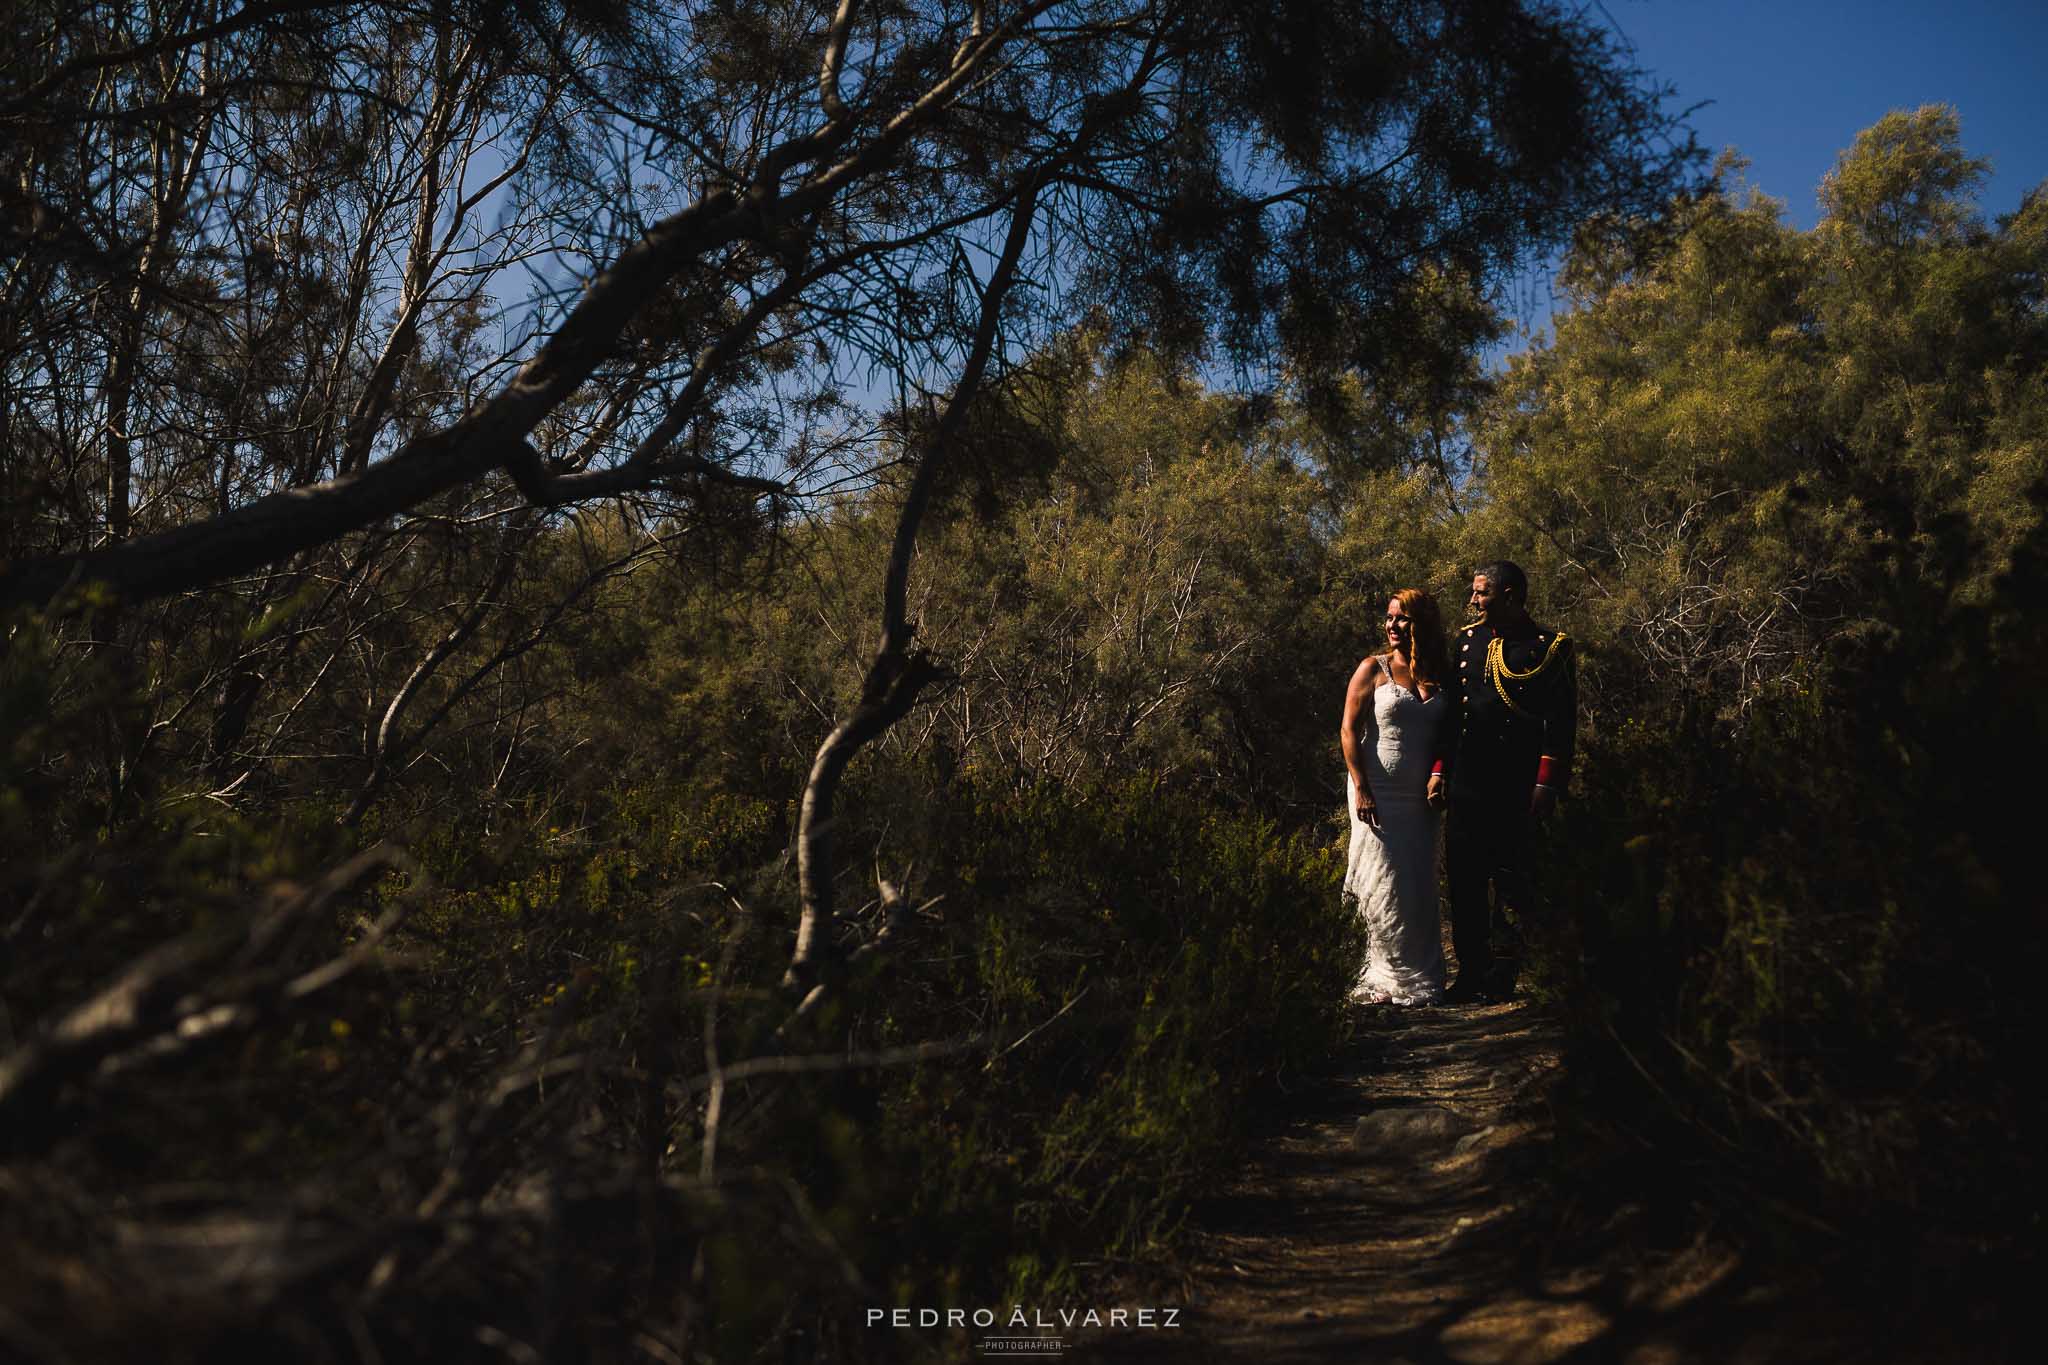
x: 1399, y: 1212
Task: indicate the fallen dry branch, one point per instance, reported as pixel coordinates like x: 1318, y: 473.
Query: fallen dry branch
x: 194, y: 989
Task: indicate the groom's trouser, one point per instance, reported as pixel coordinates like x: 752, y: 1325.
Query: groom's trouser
x: 1486, y: 843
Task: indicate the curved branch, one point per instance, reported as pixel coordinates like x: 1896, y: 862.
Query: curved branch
x: 835, y: 56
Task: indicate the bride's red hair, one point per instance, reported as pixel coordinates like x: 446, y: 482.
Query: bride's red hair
x: 1428, y: 657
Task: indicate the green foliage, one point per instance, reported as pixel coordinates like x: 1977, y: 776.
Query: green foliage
x: 1142, y: 967
x: 1127, y: 973
x: 1126, y: 969
x: 1162, y: 604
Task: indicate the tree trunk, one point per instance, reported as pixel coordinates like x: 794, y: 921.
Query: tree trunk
x: 899, y: 671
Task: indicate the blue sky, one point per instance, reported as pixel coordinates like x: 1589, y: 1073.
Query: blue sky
x: 1793, y: 81
x: 1789, y: 84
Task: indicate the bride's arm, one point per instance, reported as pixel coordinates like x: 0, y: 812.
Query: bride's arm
x: 1444, y: 742
x: 1357, y: 706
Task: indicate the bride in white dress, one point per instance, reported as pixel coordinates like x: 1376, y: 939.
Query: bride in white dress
x: 1393, y: 715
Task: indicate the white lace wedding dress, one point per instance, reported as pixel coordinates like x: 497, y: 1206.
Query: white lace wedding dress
x: 1391, y: 871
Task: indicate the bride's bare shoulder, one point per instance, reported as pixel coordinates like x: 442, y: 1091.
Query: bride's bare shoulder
x: 1364, y: 679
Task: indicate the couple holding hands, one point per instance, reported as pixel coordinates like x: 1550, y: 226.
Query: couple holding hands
x: 1485, y: 736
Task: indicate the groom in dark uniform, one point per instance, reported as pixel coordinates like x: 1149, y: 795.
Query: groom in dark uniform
x: 1514, y: 699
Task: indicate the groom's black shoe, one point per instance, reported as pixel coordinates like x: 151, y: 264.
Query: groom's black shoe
x: 1468, y: 989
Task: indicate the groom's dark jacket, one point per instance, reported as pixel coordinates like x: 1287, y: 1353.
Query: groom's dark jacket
x: 1514, y: 717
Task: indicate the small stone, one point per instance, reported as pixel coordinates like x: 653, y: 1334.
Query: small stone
x: 1407, y: 1130
x: 1472, y: 1140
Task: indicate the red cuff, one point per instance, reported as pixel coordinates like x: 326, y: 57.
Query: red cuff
x: 1436, y: 769
x: 1552, y: 772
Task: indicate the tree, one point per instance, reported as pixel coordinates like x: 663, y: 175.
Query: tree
x: 1791, y: 489
x: 1759, y: 446
x: 279, y: 219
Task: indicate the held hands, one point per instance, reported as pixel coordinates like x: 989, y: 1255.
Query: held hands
x: 1435, y: 794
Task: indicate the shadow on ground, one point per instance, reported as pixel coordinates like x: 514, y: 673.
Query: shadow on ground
x: 1400, y: 1210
